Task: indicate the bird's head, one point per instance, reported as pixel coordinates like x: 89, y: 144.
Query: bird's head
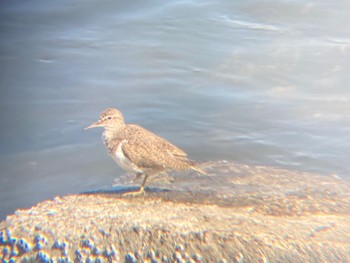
x: 109, y: 119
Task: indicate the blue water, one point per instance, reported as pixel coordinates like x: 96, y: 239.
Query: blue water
x: 256, y: 82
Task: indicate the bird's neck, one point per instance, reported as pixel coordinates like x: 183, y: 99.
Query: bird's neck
x: 111, y: 135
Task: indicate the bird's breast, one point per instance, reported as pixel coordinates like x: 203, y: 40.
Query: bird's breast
x: 123, y: 161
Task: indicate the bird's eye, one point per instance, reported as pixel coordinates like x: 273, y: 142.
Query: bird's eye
x: 109, y: 118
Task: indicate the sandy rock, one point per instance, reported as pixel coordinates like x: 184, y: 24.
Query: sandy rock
x: 238, y: 213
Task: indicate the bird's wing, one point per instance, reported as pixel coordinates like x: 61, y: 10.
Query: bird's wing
x: 149, y: 151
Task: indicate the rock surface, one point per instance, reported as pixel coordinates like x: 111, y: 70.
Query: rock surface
x: 238, y: 213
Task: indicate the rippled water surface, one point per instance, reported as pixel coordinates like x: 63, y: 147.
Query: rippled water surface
x: 255, y: 82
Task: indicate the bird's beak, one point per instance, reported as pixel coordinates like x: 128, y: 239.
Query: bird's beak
x: 94, y: 125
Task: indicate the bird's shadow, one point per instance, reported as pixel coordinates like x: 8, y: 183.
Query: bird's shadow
x: 166, y: 194
x: 123, y: 189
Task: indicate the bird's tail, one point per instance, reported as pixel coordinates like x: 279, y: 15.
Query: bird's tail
x: 197, y: 169
x: 183, y: 164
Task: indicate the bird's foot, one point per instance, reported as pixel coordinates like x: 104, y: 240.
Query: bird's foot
x: 135, y: 192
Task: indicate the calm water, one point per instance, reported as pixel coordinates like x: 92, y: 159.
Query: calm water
x: 249, y: 81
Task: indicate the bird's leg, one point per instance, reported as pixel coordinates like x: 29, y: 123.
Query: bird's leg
x: 142, y: 187
x: 143, y: 183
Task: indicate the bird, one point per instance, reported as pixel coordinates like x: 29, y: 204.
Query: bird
x: 139, y: 151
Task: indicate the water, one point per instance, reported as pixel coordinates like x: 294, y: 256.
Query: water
x: 248, y: 81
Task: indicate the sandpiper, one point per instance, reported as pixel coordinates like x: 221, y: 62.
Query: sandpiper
x: 139, y: 151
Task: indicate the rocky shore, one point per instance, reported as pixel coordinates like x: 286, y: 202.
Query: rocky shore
x: 238, y: 213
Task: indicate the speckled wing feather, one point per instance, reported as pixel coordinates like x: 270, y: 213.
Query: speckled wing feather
x: 149, y: 151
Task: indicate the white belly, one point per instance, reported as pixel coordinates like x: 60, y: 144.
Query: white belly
x: 124, y: 162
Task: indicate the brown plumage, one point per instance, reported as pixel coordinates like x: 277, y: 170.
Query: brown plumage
x: 138, y: 150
